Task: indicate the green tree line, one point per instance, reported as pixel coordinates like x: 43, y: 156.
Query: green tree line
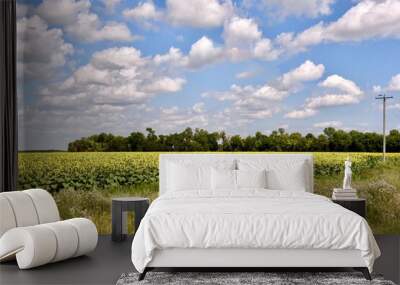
x: 202, y: 140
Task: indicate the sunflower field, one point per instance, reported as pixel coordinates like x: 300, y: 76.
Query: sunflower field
x: 83, y: 183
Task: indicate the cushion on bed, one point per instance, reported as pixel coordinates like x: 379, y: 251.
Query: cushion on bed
x: 251, y: 179
x: 223, y: 179
x: 194, y: 175
x: 188, y: 177
x: 283, y: 174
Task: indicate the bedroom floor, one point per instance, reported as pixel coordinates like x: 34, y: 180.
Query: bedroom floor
x: 110, y: 260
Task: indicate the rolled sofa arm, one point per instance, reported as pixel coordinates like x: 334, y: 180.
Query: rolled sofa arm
x: 40, y: 244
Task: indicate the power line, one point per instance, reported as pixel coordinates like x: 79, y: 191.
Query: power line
x: 383, y: 97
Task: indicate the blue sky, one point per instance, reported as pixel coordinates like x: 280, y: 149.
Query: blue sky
x: 241, y: 66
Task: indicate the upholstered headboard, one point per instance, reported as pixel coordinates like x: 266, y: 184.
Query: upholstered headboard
x: 204, y: 158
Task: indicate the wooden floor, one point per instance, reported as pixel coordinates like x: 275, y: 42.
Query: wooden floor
x: 110, y: 260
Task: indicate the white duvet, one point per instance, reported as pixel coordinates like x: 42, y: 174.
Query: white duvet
x: 250, y: 219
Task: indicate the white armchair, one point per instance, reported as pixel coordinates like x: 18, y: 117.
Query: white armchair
x: 31, y: 230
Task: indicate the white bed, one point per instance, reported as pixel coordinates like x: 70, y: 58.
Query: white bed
x: 249, y: 227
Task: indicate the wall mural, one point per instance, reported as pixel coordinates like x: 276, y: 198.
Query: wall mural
x: 204, y: 75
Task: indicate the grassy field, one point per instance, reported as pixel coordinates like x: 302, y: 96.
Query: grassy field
x: 83, y: 183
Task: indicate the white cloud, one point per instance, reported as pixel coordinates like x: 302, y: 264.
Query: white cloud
x: 111, y: 4
x: 104, y: 109
x: 301, y: 114
x: 174, y: 118
x: 198, y: 107
x: 244, y: 39
x: 338, y: 82
x: 241, y: 31
x: 203, y: 52
x: 377, y: 89
x: 270, y: 93
x: 80, y: 23
x: 67, y: 101
x: 394, y: 84
x: 308, y: 71
x: 259, y: 114
x: 329, y: 100
x: 235, y: 116
x: 89, y: 74
x: 248, y: 94
x: 169, y: 111
x: 165, y: 84
x: 262, y: 100
x: 308, y: 8
x: 245, y: 74
x: 144, y: 11
x: 350, y: 94
x: 62, y: 12
x: 198, y: 13
x: 88, y: 28
x: 233, y: 93
x: 118, y: 58
x: 259, y: 102
x: 114, y: 76
x: 368, y: 19
x: 40, y: 50
x: 333, y: 124
x: 300, y: 42
x: 173, y: 57
x: 265, y: 50
x: 247, y: 104
x: 394, y: 106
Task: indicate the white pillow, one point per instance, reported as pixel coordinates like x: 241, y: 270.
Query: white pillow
x: 188, y: 177
x: 295, y: 181
x: 223, y: 179
x: 177, y: 178
x: 251, y: 178
x: 282, y: 174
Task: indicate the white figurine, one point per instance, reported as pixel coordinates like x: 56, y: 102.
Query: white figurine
x: 347, y: 175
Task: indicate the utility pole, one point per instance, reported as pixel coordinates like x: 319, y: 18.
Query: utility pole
x: 383, y: 97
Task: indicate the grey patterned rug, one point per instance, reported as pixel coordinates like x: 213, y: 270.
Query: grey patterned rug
x: 269, y: 278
